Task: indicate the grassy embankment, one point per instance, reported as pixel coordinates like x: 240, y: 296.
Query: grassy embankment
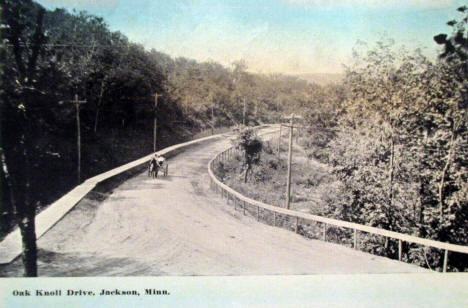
x: 312, y: 186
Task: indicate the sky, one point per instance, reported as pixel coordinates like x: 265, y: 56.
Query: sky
x: 272, y: 36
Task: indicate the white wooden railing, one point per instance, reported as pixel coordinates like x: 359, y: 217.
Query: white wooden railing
x: 243, y: 202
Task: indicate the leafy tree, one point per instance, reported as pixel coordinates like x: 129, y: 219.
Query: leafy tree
x: 252, y: 147
x: 24, y: 44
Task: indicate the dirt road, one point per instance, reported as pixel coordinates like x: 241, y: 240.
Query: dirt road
x: 177, y: 226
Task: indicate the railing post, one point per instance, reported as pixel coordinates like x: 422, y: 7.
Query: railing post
x: 444, y: 269
x: 274, y: 218
x: 297, y: 224
x: 258, y: 213
x: 235, y: 203
x: 355, y: 239
x: 244, y: 206
x: 400, y: 249
x: 325, y: 232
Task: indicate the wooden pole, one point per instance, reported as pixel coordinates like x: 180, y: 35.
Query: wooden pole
x: 288, y: 189
x: 244, y: 110
x: 400, y: 249
x: 444, y: 269
x: 325, y: 232
x: 355, y: 244
x: 77, y: 103
x: 212, y: 118
x: 78, y: 129
x: 279, y: 141
x: 155, y: 123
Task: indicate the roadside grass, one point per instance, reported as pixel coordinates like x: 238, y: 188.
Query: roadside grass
x: 311, y: 181
x: 312, y: 187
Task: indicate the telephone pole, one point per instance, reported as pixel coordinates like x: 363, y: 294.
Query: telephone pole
x: 279, y: 140
x: 291, y: 127
x: 78, y: 103
x: 244, y: 111
x: 288, y: 189
x: 155, y: 123
x: 212, y: 114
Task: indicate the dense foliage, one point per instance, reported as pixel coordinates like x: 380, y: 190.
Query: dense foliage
x: 395, y: 137
x: 395, y: 133
x: 401, y: 146
x: 48, y: 57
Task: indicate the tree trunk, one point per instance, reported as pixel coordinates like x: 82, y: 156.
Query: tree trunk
x: 247, y: 172
x: 28, y: 236
x: 25, y: 214
x: 244, y: 111
x: 21, y: 197
x: 391, y: 175
x: 444, y: 173
x: 212, y: 119
x: 27, y: 211
x: 98, y: 107
x: 8, y: 181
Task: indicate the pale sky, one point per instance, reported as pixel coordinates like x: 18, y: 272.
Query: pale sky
x: 285, y: 36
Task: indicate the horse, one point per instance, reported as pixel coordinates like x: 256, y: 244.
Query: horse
x: 153, y: 169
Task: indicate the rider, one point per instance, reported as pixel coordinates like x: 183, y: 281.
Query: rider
x: 153, y: 165
x: 160, y: 160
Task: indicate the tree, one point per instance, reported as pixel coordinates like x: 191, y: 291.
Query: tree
x: 25, y: 38
x: 252, y: 147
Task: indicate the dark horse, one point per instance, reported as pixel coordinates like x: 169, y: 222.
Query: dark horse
x: 153, y: 168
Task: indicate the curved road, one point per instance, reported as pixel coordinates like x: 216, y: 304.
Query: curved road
x: 177, y: 226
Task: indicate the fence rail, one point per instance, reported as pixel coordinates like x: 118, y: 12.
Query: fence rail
x: 230, y: 194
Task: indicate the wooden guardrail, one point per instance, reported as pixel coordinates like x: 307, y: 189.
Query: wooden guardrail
x: 231, y: 194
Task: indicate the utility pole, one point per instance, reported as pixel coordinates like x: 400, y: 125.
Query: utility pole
x: 212, y: 114
x: 279, y: 140
x: 244, y: 110
x: 288, y: 189
x: 77, y: 103
x: 291, y: 127
x: 212, y: 119
x: 155, y: 123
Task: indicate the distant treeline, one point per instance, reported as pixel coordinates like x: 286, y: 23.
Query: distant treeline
x: 48, y: 57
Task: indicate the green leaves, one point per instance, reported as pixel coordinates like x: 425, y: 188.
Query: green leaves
x: 401, y: 144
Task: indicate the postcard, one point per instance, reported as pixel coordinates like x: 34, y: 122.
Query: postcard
x: 268, y: 153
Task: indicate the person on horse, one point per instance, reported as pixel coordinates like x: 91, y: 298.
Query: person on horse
x: 153, y: 167
x: 160, y: 160
x: 156, y: 163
